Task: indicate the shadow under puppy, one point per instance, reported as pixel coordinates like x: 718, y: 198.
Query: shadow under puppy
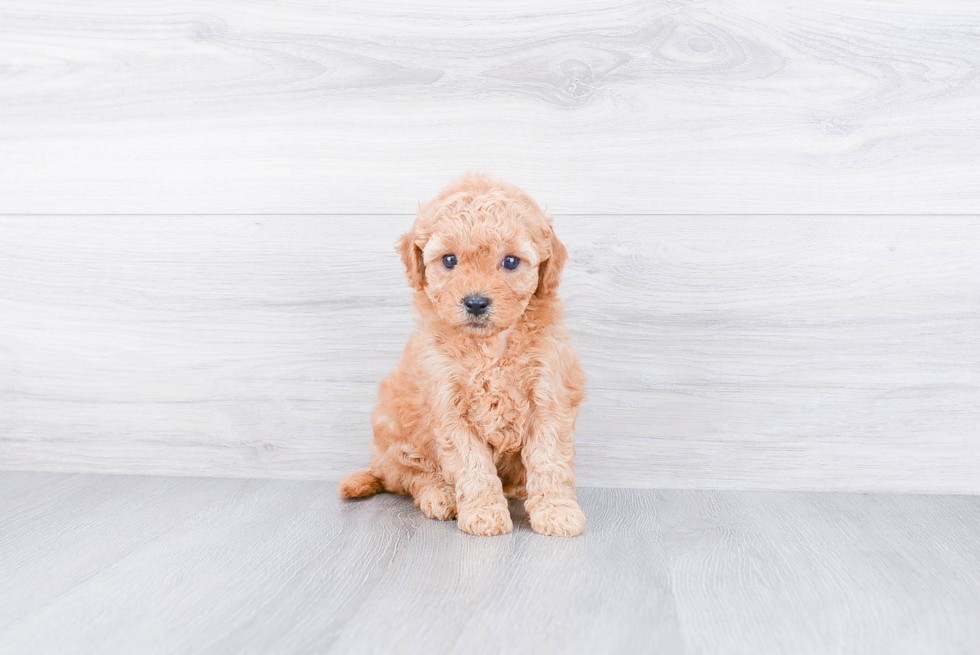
x: 483, y: 404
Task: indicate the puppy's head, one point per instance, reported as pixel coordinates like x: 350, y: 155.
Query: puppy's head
x: 481, y: 251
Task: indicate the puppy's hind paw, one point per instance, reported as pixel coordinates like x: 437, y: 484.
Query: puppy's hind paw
x: 561, y: 519
x: 486, y: 521
x: 438, y: 503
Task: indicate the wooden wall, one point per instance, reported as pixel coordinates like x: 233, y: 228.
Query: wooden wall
x: 772, y: 215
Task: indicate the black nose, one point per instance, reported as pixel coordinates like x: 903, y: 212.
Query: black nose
x: 476, y: 305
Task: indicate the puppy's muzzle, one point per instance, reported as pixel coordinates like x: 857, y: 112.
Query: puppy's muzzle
x: 476, y: 305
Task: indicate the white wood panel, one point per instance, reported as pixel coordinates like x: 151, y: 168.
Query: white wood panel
x: 120, y: 564
x: 724, y: 352
x: 832, y: 106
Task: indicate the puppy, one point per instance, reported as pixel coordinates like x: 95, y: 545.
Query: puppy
x: 482, y: 406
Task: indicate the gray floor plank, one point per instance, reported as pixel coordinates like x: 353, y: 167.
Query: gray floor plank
x: 106, y: 564
x: 60, y: 536
x: 608, y: 592
x: 824, y: 573
x: 248, y: 566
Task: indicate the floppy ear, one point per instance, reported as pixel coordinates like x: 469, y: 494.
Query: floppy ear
x: 549, y: 271
x: 412, y: 256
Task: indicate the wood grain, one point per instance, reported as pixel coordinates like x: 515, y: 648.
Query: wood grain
x: 824, y: 353
x: 114, y: 564
x: 608, y: 592
x: 120, y: 564
x: 632, y: 107
x: 823, y: 573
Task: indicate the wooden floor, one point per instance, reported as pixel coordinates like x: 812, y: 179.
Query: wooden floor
x: 120, y: 564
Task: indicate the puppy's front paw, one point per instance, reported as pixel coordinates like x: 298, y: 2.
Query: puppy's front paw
x: 438, y: 503
x: 557, y: 519
x: 486, y: 521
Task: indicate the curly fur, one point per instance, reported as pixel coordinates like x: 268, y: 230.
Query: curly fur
x: 481, y: 409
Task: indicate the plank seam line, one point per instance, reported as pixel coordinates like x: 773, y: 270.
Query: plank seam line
x: 558, y: 214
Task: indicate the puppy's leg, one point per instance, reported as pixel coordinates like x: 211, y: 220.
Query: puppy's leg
x: 481, y: 507
x: 403, y: 470
x: 548, y: 457
x: 510, y: 468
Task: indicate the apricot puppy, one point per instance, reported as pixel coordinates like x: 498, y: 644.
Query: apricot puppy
x: 483, y: 404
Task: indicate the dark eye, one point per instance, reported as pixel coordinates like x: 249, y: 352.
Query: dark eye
x: 449, y: 261
x: 511, y: 262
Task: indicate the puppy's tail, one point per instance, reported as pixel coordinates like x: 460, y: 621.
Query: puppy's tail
x: 360, y: 485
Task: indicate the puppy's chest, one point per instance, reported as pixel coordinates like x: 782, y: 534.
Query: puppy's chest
x: 497, y: 400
